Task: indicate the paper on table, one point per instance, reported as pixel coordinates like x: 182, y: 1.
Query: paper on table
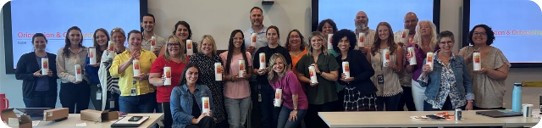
x: 35, y: 123
x: 81, y: 125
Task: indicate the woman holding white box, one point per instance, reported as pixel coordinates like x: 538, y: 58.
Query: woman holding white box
x: 110, y: 85
x: 100, y: 39
x: 74, y: 90
x: 425, y: 41
x: 37, y: 70
x: 190, y: 102
x: 356, y: 72
x: 166, y: 73
x: 206, y: 59
x: 488, y: 67
x: 386, y: 59
x: 318, y: 73
x: 183, y: 31
x: 328, y: 27
x: 448, y: 82
x: 132, y: 67
x: 238, y: 69
x: 289, y: 94
x: 260, y: 65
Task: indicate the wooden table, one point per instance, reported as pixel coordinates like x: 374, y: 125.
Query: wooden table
x: 402, y: 119
x: 74, y: 120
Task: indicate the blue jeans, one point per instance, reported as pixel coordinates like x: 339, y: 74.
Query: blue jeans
x: 237, y: 110
x: 40, y: 99
x: 284, y: 116
x: 137, y: 104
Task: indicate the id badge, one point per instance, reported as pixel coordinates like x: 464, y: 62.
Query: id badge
x: 380, y: 79
x: 99, y: 95
x: 133, y: 91
x: 111, y: 104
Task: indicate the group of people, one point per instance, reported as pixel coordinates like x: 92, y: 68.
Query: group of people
x: 258, y: 79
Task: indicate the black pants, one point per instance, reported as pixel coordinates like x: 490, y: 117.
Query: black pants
x: 390, y: 103
x: 94, y: 91
x: 75, y: 96
x: 112, y: 98
x: 447, y: 106
x: 165, y: 108
x: 206, y: 122
x: 407, y: 100
x: 269, y: 113
x: 40, y: 99
x: 312, y: 120
x: 339, y: 104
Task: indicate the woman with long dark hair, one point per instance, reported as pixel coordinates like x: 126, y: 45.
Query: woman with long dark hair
x: 100, y: 39
x: 74, y: 90
x: 386, y: 60
x: 187, y: 101
x: 237, y: 72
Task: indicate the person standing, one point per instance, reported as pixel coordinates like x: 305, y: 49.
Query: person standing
x: 237, y: 88
x: 74, y: 90
x: 136, y: 93
x: 39, y: 90
x: 147, y: 23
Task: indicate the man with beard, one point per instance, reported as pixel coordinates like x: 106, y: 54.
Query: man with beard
x: 361, y: 21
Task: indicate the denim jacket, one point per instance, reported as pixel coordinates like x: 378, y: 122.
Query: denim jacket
x: 181, y: 103
x: 462, y: 77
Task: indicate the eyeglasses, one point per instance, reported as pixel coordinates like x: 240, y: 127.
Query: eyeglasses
x: 480, y: 33
x: 173, y: 44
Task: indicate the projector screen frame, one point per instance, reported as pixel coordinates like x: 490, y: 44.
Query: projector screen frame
x: 465, y: 36
x: 8, y: 40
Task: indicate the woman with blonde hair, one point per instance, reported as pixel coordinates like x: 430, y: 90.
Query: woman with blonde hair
x: 322, y: 95
x: 425, y: 40
x: 295, y: 104
x: 205, y: 59
x: 175, y: 60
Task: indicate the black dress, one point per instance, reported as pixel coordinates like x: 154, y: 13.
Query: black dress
x: 207, y: 77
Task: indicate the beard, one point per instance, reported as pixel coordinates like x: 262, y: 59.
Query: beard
x: 361, y: 26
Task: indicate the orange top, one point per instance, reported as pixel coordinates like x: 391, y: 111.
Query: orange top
x: 296, y: 58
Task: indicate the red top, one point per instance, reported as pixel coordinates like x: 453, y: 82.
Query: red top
x: 163, y: 92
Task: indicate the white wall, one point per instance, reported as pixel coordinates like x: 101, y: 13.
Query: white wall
x: 220, y: 17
